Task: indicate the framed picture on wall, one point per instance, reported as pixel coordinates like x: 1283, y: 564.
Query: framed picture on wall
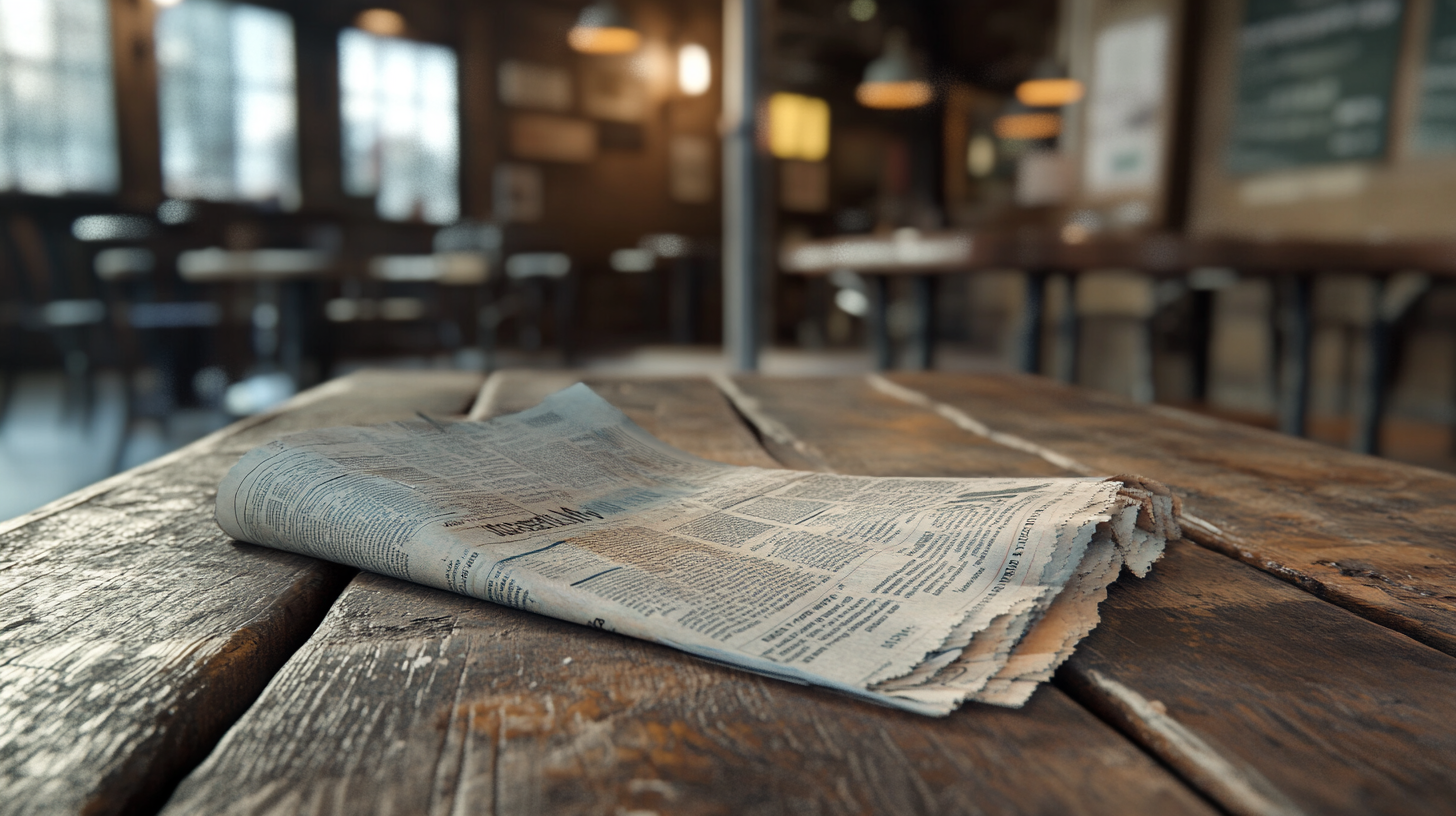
x: 691, y: 169
x: 1435, y: 127
x: 1314, y: 83
x: 547, y: 137
x: 612, y: 91
x: 518, y: 193
x: 533, y: 85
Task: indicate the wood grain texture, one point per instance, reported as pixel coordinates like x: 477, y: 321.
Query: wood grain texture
x: 1371, y: 535
x: 1266, y: 698
x: 134, y: 632
x: 1305, y: 703
x: 412, y: 700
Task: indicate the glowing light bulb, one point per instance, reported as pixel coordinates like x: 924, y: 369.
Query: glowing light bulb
x: 694, y: 70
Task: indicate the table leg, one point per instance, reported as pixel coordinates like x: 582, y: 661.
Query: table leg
x: 291, y: 330
x: 684, y: 300
x: 1370, y: 400
x: 566, y: 318
x: 1033, y: 309
x: 528, y: 321
x: 487, y: 319
x: 879, y: 322
x: 924, y: 294
x: 265, y: 318
x: 1068, y: 333
x: 1200, y: 326
x: 1295, y: 330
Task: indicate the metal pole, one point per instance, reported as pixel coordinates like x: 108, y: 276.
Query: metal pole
x: 741, y: 230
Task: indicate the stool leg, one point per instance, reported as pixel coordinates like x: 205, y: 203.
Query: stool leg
x: 1370, y: 400
x: 1295, y: 331
x: 924, y: 294
x: 1033, y: 311
x: 1068, y: 334
x: 1201, y: 329
x: 879, y: 323
x: 566, y: 318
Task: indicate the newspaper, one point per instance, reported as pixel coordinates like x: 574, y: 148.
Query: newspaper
x: 918, y: 593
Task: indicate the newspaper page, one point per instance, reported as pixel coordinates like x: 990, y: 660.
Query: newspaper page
x: 918, y: 593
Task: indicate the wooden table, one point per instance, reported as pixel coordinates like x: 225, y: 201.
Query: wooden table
x: 1298, y: 654
x: 925, y: 256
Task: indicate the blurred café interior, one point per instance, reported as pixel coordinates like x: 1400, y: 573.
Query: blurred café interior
x: 1242, y: 208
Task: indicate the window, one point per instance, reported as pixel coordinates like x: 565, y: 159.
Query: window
x: 228, y: 111
x: 401, y: 135
x: 57, y: 127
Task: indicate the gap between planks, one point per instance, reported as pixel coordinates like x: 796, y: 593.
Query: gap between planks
x: 1195, y: 529
x: 1236, y: 792
x: 1234, y: 786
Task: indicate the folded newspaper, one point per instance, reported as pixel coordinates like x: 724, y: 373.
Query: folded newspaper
x: 918, y: 593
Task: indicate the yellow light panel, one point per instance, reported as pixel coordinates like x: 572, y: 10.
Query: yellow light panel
x: 798, y: 127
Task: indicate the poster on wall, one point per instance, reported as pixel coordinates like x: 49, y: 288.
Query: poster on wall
x: 1314, y: 82
x: 613, y: 92
x: 532, y: 85
x: 691, y: 169
x: 546, y: 137
x: 1125, y: 108
x: 1435, y: 130
x: 517, y: 193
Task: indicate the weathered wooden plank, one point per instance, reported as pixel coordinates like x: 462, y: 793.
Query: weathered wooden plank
x: 408, y: 699
x: 133, y: 632
x: 1371, y: 535
x: 1266, y: 698
x: 1211, y: 659
x: 690, y: 414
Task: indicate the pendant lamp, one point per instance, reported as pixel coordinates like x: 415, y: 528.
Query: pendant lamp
x: 1049, y: 87
x: 1023, y: 123
x: 603, y: 28
x: 894, y: 81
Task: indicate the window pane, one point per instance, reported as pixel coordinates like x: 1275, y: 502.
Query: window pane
x: 228, y: 104
x: 57, y: 125
x: 401, y: 139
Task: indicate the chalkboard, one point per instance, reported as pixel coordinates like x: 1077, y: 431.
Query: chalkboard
x: 1435, y: 130
x: 1315, y: 79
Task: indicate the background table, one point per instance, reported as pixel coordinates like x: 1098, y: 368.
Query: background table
x: 1296, y: 655
x: 1292, y: 265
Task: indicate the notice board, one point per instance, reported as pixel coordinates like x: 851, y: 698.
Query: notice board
x: 1314, y: 82
x: 1435, y: 130
x: 1324, y: 120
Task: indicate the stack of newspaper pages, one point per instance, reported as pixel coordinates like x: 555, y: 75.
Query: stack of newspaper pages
x: 914, y: 593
